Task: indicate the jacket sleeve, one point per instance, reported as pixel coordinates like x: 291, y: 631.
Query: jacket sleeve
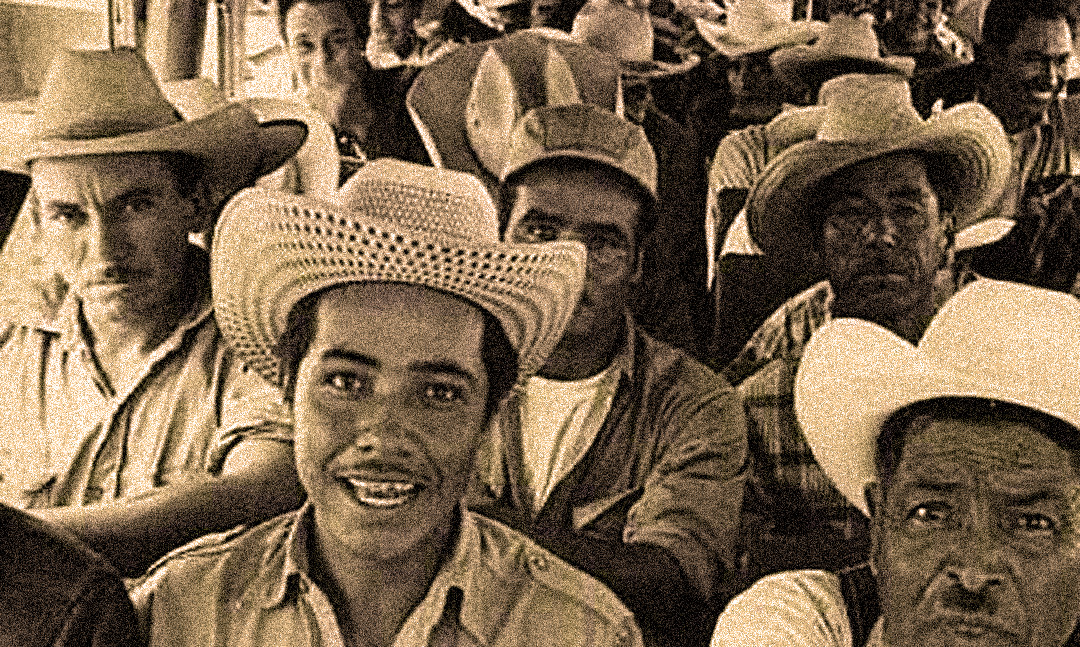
x: 102, y: 616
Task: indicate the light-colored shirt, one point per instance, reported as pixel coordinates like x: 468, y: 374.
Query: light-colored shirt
x: 68, y: 438
x: 790, y: 609
x: 559, y: 421
x: 254, y: 588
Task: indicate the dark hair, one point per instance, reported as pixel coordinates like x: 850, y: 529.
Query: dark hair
x: 358, y: 11
x: 1003, y: 18
x: 914, y: 417
x: 496, y: 353
x: 602, y: 172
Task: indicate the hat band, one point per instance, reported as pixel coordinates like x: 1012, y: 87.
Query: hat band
x: 98, y: 127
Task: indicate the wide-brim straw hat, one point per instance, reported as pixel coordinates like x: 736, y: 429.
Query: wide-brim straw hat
x: 847, y: 45
x: 751, y: 26
x: 107, y: 102
x: 866, y: 117
x: 391, y: 222
x: 465, y: 104
x: 994, y: 340
x: 583, y: 132
x: 627, y: 34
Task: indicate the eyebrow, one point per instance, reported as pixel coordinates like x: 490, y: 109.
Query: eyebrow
x: 433, y: 367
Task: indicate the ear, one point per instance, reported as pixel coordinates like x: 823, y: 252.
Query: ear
x: 639, y: 263
x: 875, y: 504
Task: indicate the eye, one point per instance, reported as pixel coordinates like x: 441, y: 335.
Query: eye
x: 64, y: 215
x: 1034, y: 523
x: 441, y: 393
x: 537, y: 233
x: 304, y: 46
x: 930, y: 515
x: 139, y: 204
x: 344, y: 383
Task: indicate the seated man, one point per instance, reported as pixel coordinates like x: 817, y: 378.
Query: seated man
x: 624, y: 456
x: 876, y: 201
x: 55, y: 592
x: 394, y: 353
x: 126, y: 418
x: 965, y: 452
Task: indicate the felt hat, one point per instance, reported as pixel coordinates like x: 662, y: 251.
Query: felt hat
x: 994, y: 340
x: 627, y: 34
x: 107, y: 102
x: 751, y: 26
x: 465, y: 104
x: 847, y: 45
x: 866, y: 117
x: 392, y: 222
x: 582, y: 132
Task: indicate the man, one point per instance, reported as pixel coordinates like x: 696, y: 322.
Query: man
x: 325, y: 41
x: 393, y: 356
x: 876, y: 202
x: 624, y: 456
x: 745, y: 287
x: 1019, y: 73
x: 919, y: 28
x: 126, y: 419
x: 963, y: 451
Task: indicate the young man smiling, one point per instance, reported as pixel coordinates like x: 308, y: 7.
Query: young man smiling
x: 396, y: 322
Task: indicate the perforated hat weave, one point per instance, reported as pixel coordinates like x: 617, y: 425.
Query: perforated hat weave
x: 391, y: 222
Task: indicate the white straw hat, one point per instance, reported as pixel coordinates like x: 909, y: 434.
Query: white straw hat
x: 757, y: 26
x: 866, y: 117
x: 995, y: 340
x: 847, y: 45
x: 391, y: 222
x: 626, y: 33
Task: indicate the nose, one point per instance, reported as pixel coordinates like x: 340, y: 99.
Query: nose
x: 377, y: 427
x: 101, y: 243
x: 977, y: 561
x: 880, y: 231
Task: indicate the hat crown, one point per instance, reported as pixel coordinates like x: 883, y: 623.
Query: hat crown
x: 848, y: 36
x: 867, y: 108
x: 95, y: 94
x: 751, y: 15
x: 444, y: 202
x: 613, y: 27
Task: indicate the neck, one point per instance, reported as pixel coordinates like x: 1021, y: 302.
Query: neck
x: 577, y: 358
x: 373, y: 596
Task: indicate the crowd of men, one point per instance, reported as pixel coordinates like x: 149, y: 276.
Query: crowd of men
x: 553, y: 324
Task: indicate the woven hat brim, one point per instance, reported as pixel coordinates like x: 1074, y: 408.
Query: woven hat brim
x: 965, y: 140
x: 854, y: 374
x: 272, y: 249
x: 231, y: 144
x: 733, y: 43
x: 660, y: 69
x: 516, y: 167
x: 807, y: 60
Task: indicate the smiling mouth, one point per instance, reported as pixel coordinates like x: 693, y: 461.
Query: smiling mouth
x: 383, y: 494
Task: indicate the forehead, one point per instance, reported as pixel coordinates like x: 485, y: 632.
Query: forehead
x: 69, y: 178
x: 1042, y: 35
x: 306, y: 17
x: 1013, y: 455
x: 896, y: 173
x: 577, y: 196
x: 399, y: 323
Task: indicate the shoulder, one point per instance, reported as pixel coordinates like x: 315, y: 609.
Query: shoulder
x: 674, y: 367
x: 549, y: 596
x: 788, y: 608
x: 784, y: 334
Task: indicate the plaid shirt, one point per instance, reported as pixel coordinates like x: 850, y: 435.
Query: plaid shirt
x: 793, y: 516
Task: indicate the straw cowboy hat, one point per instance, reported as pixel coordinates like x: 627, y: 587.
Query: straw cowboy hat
x: 314, y: 168
x: 848, y: 45
x: 582, y: 132
x: 105, y: 102
x: 866, y: 117
x: 627, y: 34
x: 465, y: 104
x: 757, y: 26
x: 391, y: 221
x: 994, y: 340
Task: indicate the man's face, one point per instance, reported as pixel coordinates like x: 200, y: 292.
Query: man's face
x: 390, y: 406
x: 326, y: 53
x: 1031, y: 71
x: 883, y: 238
x: 913, y: 22
x: 398, y: 17
x: 751, y: 78
x: 975, y: 542
x: 558, y: 204
x: 115, y: 228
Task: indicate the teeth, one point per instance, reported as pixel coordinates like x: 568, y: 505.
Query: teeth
x: 383, y: 494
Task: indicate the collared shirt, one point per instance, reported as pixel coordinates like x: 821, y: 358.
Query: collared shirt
x: 69, y: 438
x: 790, y: 609
x: 667, y: 467
x: 254, y: 587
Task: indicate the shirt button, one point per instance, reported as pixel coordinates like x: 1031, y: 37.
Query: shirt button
x: 538, y: 562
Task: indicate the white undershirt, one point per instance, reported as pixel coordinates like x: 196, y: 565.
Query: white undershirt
x: 559, y: 421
